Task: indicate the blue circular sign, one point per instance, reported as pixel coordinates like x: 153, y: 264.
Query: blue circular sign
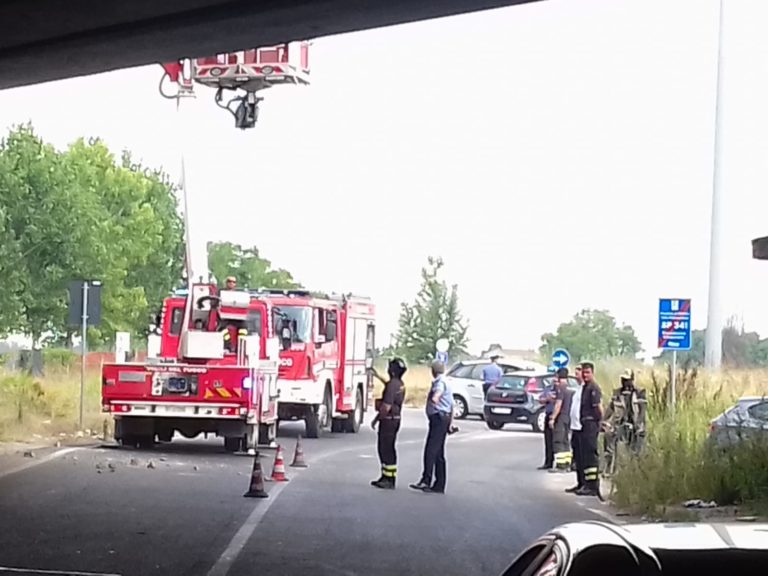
x: 560, y: 358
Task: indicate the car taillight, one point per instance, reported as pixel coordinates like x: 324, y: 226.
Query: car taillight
x: 531, y: 386
x: 120, y: 408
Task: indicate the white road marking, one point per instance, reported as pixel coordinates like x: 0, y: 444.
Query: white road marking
x: 240, y: 539
x: 36, y: 462
x: 52, y: 572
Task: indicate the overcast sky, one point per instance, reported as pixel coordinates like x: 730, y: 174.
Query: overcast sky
x: 557, y: 155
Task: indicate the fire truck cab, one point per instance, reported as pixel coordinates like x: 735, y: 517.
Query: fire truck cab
x: 216, y: 372
x: 326, y: 344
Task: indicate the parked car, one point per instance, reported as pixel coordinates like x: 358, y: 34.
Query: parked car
x: 466, y: 381
x: 748, y: 418
x: 515, y: 400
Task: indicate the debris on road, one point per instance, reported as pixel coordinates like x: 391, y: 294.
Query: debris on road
x: 29, y: 454
x: 696, y: 503
x: 151, y: 465
x: 133, y: 462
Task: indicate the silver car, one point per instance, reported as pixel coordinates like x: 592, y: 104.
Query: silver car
x: 466, y: 382
x: 748, y: 418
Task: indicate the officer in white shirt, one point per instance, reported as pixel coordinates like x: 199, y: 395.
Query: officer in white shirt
x: 578, y: 460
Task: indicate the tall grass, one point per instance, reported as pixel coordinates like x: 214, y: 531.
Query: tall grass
x: 47, y: 406
x: 679, y: 463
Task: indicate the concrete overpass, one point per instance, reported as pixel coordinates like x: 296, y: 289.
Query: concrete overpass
x: 42, y: 40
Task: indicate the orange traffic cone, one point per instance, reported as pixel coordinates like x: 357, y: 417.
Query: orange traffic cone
x: 256, y: 488
x: 298, y: 455
x: 278, y: 470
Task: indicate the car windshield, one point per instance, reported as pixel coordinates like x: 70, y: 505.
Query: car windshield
x: 296, y: 320
x: 512, y: 383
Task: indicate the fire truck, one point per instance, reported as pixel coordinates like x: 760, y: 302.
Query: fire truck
x: 326, y: 345
x: 216, y: 372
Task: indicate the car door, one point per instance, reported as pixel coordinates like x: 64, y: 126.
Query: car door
x: 475, y: 389
x: 461, y: 385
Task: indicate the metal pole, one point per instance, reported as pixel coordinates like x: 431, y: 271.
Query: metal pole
x: 83, y: 350
x: 713, y: 350
x: 673, y: 382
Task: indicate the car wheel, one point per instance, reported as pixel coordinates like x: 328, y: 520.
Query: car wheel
x: 460, y: 409
x: 539, y: 421
x: 494, y: 425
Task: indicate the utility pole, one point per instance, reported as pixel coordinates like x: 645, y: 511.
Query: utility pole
x: 713, y: 350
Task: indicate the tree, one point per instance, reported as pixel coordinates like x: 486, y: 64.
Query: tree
x: 250, y: 269
x: 433, y: 315
x: 79, y: 214
x: 592, y: 334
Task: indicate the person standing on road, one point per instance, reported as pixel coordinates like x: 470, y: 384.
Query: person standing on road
x: 389, y: 408
x: 491, y: 374
x: 547, y: 398
x: 440, y: 416
x: 591, y: 415
x: 560, y: 423
x: 578, y: 458
x: 624, y: 421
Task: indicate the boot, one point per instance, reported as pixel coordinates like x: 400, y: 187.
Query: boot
x: 384, y: 483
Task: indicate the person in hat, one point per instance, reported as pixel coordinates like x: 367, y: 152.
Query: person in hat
x: 624, y: 424
x: 388, y: 411
x: 440, y: 415
x: 492, y: 374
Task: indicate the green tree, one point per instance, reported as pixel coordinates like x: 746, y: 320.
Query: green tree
x: 433, y: 315
x: 592, y: 334
x: 79, y: 214
x: 250, y: 269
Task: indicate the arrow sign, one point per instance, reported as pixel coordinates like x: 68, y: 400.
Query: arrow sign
x: 560, y: 358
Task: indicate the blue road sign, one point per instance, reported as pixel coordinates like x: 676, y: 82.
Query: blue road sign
x: 674, y: 324
x: 560, y: 358
x: 442, y: 357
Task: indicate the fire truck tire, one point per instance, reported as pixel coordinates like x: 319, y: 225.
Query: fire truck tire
x: 233, y: 443
x: 337, y: 425
x: 355, y: 418
x: 312, y: 423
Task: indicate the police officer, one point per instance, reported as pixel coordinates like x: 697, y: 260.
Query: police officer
x: 389, y: 408
x: 591, y: 415
x: 440, y: 415
x: 625, y: 419
x: 491, y: 374
x: 560, y: 422
x: 576, y: 433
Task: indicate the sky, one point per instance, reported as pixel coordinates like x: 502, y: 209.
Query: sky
x: 556, y: 155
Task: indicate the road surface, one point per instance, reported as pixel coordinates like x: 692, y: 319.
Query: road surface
x: 102, y: 510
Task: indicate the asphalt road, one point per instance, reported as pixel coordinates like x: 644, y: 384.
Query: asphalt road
x: 102, y: 510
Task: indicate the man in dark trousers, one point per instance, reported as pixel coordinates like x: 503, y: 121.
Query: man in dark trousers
x: 440, y: 415
x: 576, y: 434
x: 591, y: 417
x: 389, y: 408
x: 560, y: 423
x: 547, y: 398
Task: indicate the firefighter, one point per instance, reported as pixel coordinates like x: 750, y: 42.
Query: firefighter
x: 560, y: 423
x: 388, y: 410
x: 591, y: 414
x: 547, y: 398
x: 624, y: 422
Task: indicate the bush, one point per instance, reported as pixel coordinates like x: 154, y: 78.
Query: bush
x: 678, y: 463
x: 59, y: 358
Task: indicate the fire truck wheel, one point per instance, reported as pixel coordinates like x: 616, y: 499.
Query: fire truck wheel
x: 312, y: 423
x: 337, y: 425
x: 355, y: 418
x: 233, y: 443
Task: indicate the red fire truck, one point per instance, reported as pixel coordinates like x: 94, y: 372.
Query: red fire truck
x: 216, y: 372
x: 326, y: 344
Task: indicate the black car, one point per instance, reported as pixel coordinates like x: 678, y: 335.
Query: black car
x: 515, y: 400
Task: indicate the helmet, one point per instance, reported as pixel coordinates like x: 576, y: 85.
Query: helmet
x: 396, y: 367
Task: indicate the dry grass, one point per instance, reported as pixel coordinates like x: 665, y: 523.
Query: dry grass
x: 48, y: 406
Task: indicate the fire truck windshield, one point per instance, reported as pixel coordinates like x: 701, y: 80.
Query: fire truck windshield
x: 294, y: 319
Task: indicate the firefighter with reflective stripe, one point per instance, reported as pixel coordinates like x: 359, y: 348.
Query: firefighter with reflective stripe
x: 591, y: 414
x: 232, y: 334
x: 388, y: 411
x: 560, y: 423
x: 625, y: 420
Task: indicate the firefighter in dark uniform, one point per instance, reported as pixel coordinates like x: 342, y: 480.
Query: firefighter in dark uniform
x: 624, y: 421
x: 591, y: 415
x: 388, y: 410
x: 560, y: 423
